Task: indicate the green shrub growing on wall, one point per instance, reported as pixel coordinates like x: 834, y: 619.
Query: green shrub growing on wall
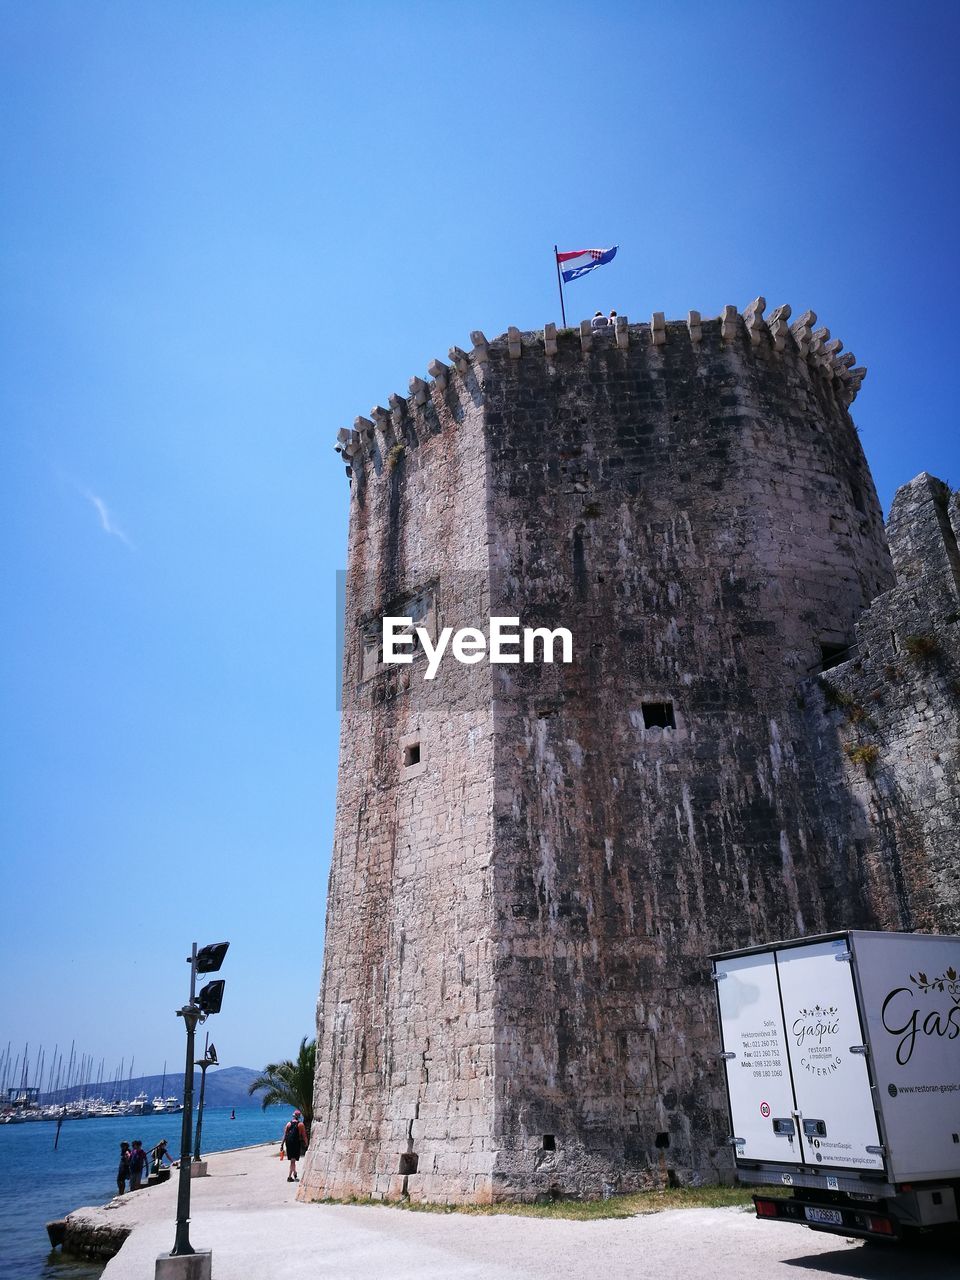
x: 921, y: 647
x: 866, y: 755
x: 394, y: 456
x: 836, y: 697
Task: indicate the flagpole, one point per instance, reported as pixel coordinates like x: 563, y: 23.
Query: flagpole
x: 563, y: 313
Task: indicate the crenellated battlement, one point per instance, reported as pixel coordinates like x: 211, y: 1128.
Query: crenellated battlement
x: 369, y: 442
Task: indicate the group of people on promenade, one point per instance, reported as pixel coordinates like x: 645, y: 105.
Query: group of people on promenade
x: 134, y: 1163
x: 600, y: 321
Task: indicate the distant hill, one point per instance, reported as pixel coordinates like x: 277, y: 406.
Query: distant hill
x: 226, y: 1087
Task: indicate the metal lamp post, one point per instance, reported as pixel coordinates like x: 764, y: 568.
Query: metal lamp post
x: 209, y: 1059
x: 198, y: 1007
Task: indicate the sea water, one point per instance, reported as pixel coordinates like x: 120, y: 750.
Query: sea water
x: 39, y: 1184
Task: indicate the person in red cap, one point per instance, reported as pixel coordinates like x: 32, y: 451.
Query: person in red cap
x: 294, y: 1142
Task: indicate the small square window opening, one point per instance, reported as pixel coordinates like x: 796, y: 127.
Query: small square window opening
x: 658, y: 715
x: 413, y: 759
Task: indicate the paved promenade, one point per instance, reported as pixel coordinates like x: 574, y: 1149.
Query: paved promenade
x: 246, y: 1212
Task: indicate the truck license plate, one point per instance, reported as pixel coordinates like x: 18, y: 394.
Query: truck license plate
x: 832, y: 1216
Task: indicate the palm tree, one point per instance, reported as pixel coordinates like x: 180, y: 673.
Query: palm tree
x: 290, y: 1082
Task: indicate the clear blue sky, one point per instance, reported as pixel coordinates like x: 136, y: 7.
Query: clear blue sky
x: 227, y: 229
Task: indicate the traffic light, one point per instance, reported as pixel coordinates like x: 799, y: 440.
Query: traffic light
x: 211, y: 997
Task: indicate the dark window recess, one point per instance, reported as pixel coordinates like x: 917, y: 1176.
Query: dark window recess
x: 858, y: 499
x: 408, y: 1162
x: 662, y: 1141
x: 549, y: 1142
x: 658, y: 715
x: 411, y: 754
x: 831, y: 655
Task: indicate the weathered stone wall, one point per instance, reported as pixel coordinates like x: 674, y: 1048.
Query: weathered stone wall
x: 701, y: 515
x: 885, y: 726
x: 528, y: 874
x: 405, y: 1017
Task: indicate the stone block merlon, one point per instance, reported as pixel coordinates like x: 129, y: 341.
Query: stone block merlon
x: 817, y: 341
x: 439, y: 372
x: 820, y: 353
x: 753, y: 319
x: 779, y: 326
x: 383, y: 419
x: 459, y: 359
x: 480, y: 348
x: 802, y: 330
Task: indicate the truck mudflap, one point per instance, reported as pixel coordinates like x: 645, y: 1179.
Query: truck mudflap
x: 841, y: 1219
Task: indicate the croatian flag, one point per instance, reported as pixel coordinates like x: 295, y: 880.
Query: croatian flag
x: 580, y: 261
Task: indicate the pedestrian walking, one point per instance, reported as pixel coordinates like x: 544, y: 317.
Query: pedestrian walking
x: 123, y: 1171
x: 294, y: 1142
x: 138, y: 1165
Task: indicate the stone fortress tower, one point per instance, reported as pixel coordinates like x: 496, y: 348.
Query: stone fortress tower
x: 532, y: 863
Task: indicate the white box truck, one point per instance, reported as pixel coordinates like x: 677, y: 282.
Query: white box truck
x: 842, y: 1060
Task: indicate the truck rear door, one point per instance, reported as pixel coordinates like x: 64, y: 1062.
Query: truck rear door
x: 756, y: 1059
x: 836, y: 1115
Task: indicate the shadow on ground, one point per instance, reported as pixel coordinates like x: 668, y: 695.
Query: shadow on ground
x: 925, y: 1259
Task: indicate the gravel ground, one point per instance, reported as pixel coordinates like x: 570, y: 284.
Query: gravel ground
x: 246, y: 1212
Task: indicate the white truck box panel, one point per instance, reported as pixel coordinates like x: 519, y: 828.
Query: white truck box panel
x: 831, y: 1082
x: 758, y: 1078
x: 910, y: 999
